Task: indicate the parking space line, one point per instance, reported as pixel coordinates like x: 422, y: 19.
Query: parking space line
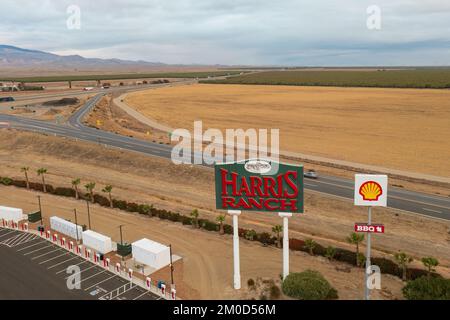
x: 18, y: 236
x: 23, y: 238
x: 12, y: 231
x: 51, y: 259
x: 140, y: 296
x: 36, y: 250
x: 55, y: 265
x: 131, y: 288
x: 85, y: 270
x: 74, y: 265
x: 29, y: 239
x: 94, y: 275
x: 24, y: 248
x: 102, y: 282
x: 35, y: 238
x: 34, y: 258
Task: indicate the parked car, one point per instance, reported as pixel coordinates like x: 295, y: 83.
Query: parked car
x: 312, y: 174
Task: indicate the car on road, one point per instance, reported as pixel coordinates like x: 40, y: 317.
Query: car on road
x: 6, y: 99
x: 311, y: 174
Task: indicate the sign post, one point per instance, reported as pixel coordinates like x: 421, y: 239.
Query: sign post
x: 370, y: 190
x: 236, y: 260
x: 259, y: 185
x: 285, y: 216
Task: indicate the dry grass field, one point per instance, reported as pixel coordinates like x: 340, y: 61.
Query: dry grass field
x: 406, y: 129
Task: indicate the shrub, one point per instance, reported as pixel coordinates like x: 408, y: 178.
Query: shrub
x: 265, y: 238
x: 427, y: 288
x: 250, y: 235
x: 66, y: 192
x: 275, y: 292
x: 208, y: 225
x: 387, y: 266
x: 307, y: 285
x: 6, y: 181
x: 19, y: 183
x: 186, y: 220
x: 132, y: 207
x: 345, y: 255
x: 251, y: 283
x: 228, y: 229
x: 145, y: 209
x: 101, y: 200
x: 119, y: 204
x: 296, y: 244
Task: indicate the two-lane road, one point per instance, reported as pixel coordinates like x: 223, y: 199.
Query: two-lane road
x: 420, y: 203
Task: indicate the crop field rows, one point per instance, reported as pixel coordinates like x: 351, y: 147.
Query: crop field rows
x: 420, y: 78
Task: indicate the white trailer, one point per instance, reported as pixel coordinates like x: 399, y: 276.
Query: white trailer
x: 100, y: 243
x: 14, y: 214
x: 66, y: 227
x: 151, y: 253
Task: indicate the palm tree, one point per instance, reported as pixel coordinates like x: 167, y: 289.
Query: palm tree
x: 356, y: 239
x: 194, y: 215
x: 41, y: 172
x: 277, y: 230
x: 221, y: 219
x: 402, y: 260
x: 330, y: 253
x: 108, y: 189
x: 310, y: 244
x: 430, y: 263
x: 25, y: 170
x: 75, y: 184
x: 90, y: 189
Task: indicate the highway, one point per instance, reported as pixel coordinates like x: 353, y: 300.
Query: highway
x: 398, y: 198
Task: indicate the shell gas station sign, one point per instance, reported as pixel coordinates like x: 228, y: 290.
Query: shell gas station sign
x: 370, y: 190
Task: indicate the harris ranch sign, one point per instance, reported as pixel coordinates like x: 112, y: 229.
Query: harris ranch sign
x: 259, y: 185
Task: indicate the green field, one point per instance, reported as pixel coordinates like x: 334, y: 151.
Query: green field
x: 203, y: 74
x: 420, y: 78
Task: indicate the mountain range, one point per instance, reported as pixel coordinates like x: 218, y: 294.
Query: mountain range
x: 14, y: 57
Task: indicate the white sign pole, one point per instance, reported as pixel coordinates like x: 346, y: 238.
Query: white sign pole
x: 237, y: 272
x: 285, y: 216
x: 369, y: 234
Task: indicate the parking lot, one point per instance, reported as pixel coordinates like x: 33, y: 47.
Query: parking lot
x: 34, y: 268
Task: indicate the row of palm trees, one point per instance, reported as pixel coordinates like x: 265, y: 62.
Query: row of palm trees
x: 90, y: 186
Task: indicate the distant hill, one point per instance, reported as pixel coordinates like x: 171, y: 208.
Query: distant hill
x: 14, y: 57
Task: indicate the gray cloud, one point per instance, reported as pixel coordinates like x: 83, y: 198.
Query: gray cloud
x: 291, y: 32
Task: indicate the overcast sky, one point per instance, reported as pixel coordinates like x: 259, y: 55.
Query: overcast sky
x: 252, y: 32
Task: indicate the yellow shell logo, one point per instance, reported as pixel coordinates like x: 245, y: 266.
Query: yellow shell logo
x: 370, y: 191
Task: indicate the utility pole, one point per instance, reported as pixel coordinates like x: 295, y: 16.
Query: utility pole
x: 121, y: 237
x: 89, y: 214
x: 40, y: 208
x: 171, y: 267
x: 76, y: 224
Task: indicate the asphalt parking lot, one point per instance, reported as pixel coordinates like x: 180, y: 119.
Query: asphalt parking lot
x: 34, y: 268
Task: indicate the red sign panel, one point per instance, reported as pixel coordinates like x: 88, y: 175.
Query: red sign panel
x: 364, y: 227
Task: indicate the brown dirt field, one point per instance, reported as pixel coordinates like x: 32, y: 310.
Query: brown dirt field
x: 157, y: 181
x: 113, y: 119
x: 208, y: 258
x: 404, y: 129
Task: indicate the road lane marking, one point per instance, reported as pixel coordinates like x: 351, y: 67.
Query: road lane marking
x: 431, y: 210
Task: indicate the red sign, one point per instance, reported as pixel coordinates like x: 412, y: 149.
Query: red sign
x: 364, y: 227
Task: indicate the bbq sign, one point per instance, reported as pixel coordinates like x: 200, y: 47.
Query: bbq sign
x: 364, y: 227
x: 259, y: 185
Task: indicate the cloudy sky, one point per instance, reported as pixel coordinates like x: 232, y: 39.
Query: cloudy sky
x: 251, y: 32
